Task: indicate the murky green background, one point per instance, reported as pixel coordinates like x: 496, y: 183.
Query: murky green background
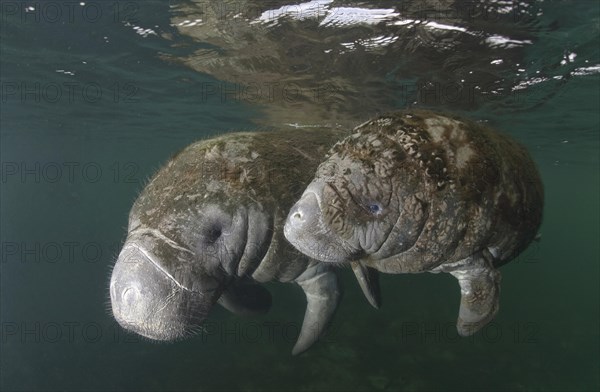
x: 76, y: 149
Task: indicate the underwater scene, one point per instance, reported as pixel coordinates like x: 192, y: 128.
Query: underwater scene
x: 117, y: 133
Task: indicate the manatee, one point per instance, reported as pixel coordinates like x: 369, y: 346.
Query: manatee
x: 415, y: 191
x: 208, y: 228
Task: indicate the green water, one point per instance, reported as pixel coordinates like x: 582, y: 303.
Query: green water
x: 73, y: 164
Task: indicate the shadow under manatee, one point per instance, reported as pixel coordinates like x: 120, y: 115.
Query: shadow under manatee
x: 331, y: 62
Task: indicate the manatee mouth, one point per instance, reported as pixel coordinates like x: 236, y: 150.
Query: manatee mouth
x: 149, y: 301
x: 168, y: 329
x: 166, y: 335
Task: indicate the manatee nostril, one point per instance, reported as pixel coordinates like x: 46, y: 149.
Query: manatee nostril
x: 130, y: 295
x: 297, y: 215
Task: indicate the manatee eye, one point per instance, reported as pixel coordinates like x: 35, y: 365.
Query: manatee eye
x: 374, y: 208
x: 213, y: 234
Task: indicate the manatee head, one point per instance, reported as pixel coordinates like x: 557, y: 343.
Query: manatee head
x: 363, y: 202
x: 148, y: 299
x: 188, y: 237
x: 174, y: 266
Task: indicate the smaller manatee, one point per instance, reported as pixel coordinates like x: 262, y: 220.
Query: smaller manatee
x: 417, y: 191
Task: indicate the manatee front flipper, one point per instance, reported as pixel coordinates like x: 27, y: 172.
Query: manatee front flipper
x: 245, y: 298
x: 321, y: 286
x: 480, y: 291
x: 368, y: 279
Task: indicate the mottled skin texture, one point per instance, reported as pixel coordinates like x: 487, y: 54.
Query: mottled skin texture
x: 209, y: 225
x: 417, y: 191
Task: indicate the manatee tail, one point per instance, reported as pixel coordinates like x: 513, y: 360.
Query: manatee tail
x: 323, y: 293
x: 480, y: 291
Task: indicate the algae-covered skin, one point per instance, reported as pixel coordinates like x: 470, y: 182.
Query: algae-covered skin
x: 209, y: 226
x: 417, y: 191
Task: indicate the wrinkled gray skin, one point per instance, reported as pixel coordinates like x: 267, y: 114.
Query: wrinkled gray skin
x: 417, y: 191
x: 209, y: 226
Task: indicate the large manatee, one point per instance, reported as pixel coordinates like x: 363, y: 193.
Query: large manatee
x: 417, y: 191
x: 209, y: 226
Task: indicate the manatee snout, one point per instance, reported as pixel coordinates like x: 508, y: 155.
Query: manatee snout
x: 147, y: 301
x: 304, y: 223
x: 303, y: 215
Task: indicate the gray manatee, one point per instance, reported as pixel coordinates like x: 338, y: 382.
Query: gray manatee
x: 417, y: 191
x: 209, y: 226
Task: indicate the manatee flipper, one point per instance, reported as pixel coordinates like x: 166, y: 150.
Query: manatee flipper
x: 245, y: 298
x: 323, y: 292
x: 368, y: 279
x: 480, y: 292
